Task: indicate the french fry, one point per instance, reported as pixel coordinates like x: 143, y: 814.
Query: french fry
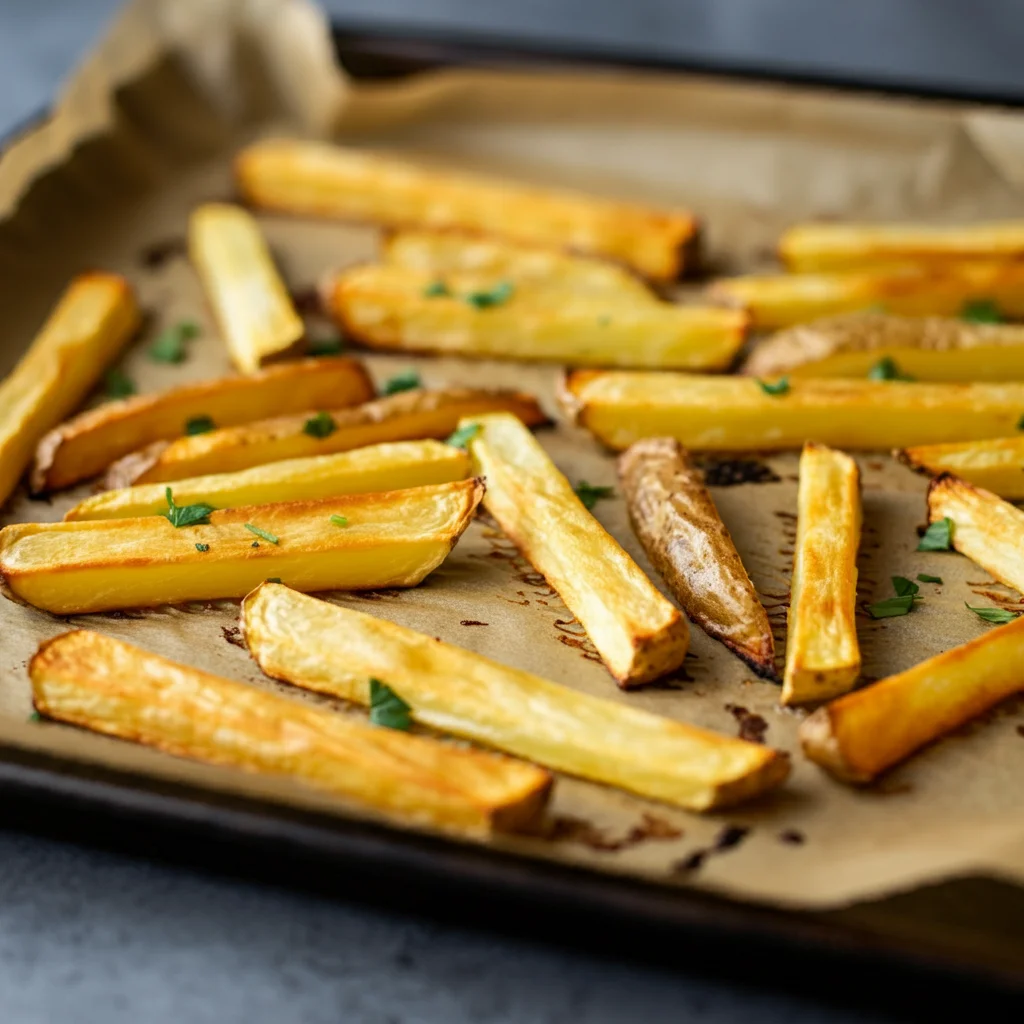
x: 925, y: 348
x: 638, y: 633
x: 988, y: 530
x: 781, y: 300
x: 863, y: 734
x: 822, y: 653
x: 997, y: 463
x: 379, y: 467
x: 392, y: 539
x: 253, y: 308
x: 94, y: 319
x: 110, y: 687
x: 842, y: 246
x: 675, y: 519
x: 737, y: 413
x: 336, y: 650
x: 409, y: 415
x: 392, y: 308
x: 315, y: 179
x: 84, y: 446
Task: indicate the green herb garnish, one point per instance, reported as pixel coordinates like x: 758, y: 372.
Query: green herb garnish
x: 186, y: 515
x: 118, y: 384
x: 886, y: 369
x: 1000, y: 616
x: 435, y: 290
x: 891, y: 607
x: 203, y: 547
x: 272, y: 579
x: 320, y: 425
x: 255, y: 544
x: 169, y: 346
x: 981, y: 311
x: 1020, y: 423
x: 199, y: 425
x: 780, y: 387
x: 387, y: 709
x: 339, y: 520
x: 591, y: 495
x: 903, y: 586
x: 495, y: 296
x: 938, y: 536
x: 405, y: 381
x: 330, y: 345
x: 34, y: 716
x: 925, y: 578
x: 461, y: 437
x: 262, y: 533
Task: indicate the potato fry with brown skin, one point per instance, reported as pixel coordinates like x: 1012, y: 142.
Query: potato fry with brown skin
x: 321, y: 180
x: 863, y: 734
x: 996, y: 464
x: 86, y: 445
x: 409, y: 415
x: 675, y: 519
x: 110, y: 687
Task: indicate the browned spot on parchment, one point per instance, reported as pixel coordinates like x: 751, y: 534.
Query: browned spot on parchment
x: 154, y: 256
x: 572, y: 634
x: 730, y: 472
x: 233, y: 635
x: 472, y: 622
x: 792, y: 836
x: 727, y: 839
x: 752, y: 727
x: 576, y: 830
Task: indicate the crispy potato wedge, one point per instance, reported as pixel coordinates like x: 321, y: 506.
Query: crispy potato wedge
x: 675, y: 519
x: 997, y: 463
x: 94, y: 319
x: 392, y: 539
x: 736, y: 414
x: 822, y: 653
x: 409, y: 415
x: 863, y: 734
x: 926, y: 348
x: 316, y: 179
x: 87, y: 444
x: 781, y: 300
x: 335, y: 650
x: 988, y: 530
x: 379, y: 467
x: 110, y: 687
x: 638, y: 633
x: 392, y: 308
x: 252, y: 306
x: 811, y: 247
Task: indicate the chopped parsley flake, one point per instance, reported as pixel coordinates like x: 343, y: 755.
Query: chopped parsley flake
x: 186, y: 515
x: 169, y: 346
x: 262, y: 534
x: 938, y: 536
x: 1000, y: 616
x: 202, y: 547
x: 387, y: 709
x: 405, y: 381
x: 496, y: 296
x: 780, y: 387
x: 320, y: 425
x: 886, y: 369
x: 461, y: 437
x: 591, y: 495
x: 118, y: 384
x: 339, y: 520
x: 981, y: 311
x: 199, y: 425
x: 436, y: 290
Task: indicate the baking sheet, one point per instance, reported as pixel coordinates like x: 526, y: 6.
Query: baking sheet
x: 145, y: 130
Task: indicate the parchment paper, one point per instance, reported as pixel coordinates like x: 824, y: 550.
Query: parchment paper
x: 145, y: 130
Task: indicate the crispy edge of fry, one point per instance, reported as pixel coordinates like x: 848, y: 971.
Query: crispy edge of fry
x: 1003, y: 477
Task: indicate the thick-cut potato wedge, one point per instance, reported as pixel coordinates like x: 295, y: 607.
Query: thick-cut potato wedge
x: 392, y: 539
x: 409, y: 415
x: 638, y: 633
x: 440, y: 253
x: 926, y: 348
x: 316, y: 179
x: 110, y: 687
x: 94, y: 319
x: 780, y: 300
x: 986, y: 529
x: 87, y: 444
x: 842, y: 246
x: 253, y: 308
x: 675, y: 519
x: 997, y: 463
x: 379, y: 467
x: 336, y: 650
x: 863, y: 734
x: 822, y: 653
x: 391, y: 308
x: 736, y: 414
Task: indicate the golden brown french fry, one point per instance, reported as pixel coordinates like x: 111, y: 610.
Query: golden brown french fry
x: 863, y: 734
x: 997, y: 463
x: 985, y: 528
x: 638, y: 633
x: 925, y: 348
x: 780, y: 300
x: 379, y: 467
x: 87, y: 444
x: 95, y: 317
x: 835, y: 246
x: 320, y: 180
x: 356, y: 542
x: 822, y: 653
x: 737, y: 414
x: 253, y: 308
x: 110, y: 687
x: 392, y: 308
x: 335, y: 650
x: 675, y: 519
x: 409, y: 415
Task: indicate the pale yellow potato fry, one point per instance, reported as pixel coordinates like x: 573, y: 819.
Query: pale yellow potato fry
x: 316, y: 179
x: 96, y: 316
x: 638, y: 633
x: 336, y: 650
x: 865, y: 733
x: 102, y: 684
x: 735, y: 414
x: 822, y: 653
x: 253, y: 308
x: 997, y: 463
x: 86, y: 445
x: 392, y: 539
